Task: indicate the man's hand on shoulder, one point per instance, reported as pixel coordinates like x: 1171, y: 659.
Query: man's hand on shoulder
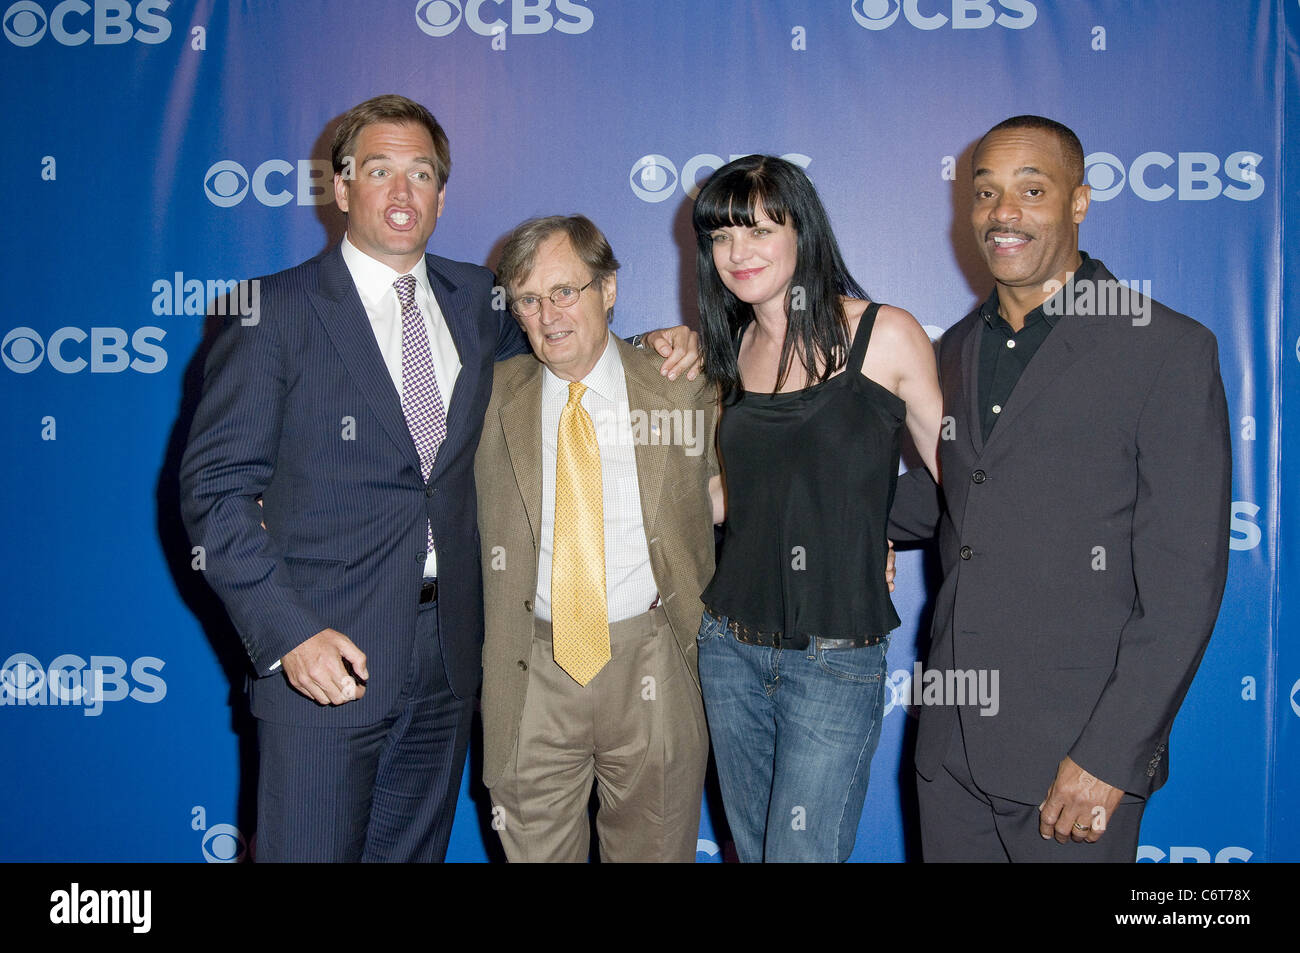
x: 1078, y: 805
x: 315, y: 668
x: 680, y: 348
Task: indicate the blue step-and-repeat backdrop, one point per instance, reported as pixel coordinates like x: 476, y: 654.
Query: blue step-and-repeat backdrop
x: 156, y: 150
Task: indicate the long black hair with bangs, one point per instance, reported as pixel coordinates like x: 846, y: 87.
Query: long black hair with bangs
x: 816, y: 334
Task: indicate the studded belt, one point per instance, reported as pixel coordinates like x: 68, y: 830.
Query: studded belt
x: 780, y: 640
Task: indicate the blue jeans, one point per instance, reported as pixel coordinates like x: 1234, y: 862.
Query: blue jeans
x: 793, y: 733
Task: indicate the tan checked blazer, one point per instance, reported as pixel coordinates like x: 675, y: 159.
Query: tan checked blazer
x: 675, y: 509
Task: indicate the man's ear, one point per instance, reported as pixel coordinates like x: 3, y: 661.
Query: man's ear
x: 340, y: 192
x: 609, y: 292
x: 1080, y: 201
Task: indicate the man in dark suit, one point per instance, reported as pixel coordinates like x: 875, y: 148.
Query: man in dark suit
x: 625, y: 707
x: 329, y: 478
x: 1086, y: 476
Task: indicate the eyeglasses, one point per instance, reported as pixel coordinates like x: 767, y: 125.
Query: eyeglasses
x: 564, y: 297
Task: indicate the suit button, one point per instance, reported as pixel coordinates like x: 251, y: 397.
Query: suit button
x: 528, y: 605
x: 979, y: 476
x: 523, y: 666
x: 428, y: 491
x: 967, y: 552
x: 421, y: 557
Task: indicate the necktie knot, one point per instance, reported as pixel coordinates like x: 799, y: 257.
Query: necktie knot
x: 405, y: 287
x: 576, y: 391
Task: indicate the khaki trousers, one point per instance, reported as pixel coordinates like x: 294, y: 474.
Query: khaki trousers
x: 637, y: 729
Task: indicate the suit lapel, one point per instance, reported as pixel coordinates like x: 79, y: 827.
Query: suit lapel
x: 457, y: 309
x: 970, y: 373
x: 340, y: 310
x: 645, y: 393
x: 1070, y: 339
x: 521, y: 420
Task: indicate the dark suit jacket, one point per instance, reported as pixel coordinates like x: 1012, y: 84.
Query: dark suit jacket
x: 675, y: 509
x: 1084, y: 547
x: 300, y: 411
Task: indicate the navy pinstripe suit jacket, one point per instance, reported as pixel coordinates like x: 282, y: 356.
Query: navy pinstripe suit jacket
x: 299, y: 411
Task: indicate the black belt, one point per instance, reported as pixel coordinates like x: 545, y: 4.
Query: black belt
x: 779, y: 640
x: 429, y: 591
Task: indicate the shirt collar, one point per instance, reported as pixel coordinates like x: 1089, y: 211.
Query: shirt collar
x: 606, y: 379
x: 989, y: 309
x: 374, y: 279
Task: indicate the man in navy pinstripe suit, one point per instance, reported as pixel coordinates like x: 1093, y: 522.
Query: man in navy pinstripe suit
x: 303, y: 483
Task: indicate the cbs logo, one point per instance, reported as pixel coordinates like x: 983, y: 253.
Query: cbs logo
x: 966, y: 14
x: 710, y: 849
x: 223, y: 844
x: 1243, y: 531
x: 1194, y: 855
x: 71, y: 679
x: 226, y: 183
x: 899, y: 684
x: 1197, y: 176
x: 25, y: 23
x: 654, y: 178
x: 441, y: 17
x: 23, y: 350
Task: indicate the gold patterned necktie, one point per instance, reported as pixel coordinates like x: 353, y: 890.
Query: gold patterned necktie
x: 579, y: 617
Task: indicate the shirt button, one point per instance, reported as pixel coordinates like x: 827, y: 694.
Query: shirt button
x: 979, y: 476
x: 1011, y: 343
x: 997, y: 408
x: 967, y: 552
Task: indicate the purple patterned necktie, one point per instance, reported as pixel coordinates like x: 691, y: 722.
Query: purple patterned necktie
x: 421, y: 399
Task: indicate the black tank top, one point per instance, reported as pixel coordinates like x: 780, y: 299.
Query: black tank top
x: 810, y: 480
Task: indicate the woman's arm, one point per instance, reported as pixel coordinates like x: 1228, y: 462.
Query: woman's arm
x: 901, y: 358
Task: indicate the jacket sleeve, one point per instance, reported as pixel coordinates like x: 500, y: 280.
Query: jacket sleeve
x: 1180, y: 564
x: 917, y: 507
x: 227, y: 465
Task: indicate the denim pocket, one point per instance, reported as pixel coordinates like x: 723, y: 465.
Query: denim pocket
x: 866, y: 664
x: 711, y: 627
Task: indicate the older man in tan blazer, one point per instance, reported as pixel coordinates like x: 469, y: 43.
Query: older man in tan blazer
x: 598, y: 492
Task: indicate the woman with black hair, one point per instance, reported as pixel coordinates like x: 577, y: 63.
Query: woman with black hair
x: 816, y: 382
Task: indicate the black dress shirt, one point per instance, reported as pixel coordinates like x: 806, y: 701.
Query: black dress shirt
x: 1005, y: 353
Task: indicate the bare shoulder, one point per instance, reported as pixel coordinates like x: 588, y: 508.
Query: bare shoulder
x: 892, y: 324
x: 897, y: 326
x: 896, y: 335
x: 899, y: 348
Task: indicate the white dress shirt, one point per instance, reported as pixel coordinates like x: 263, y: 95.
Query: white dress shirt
x: 630, y: 587
x: 374, y: 281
